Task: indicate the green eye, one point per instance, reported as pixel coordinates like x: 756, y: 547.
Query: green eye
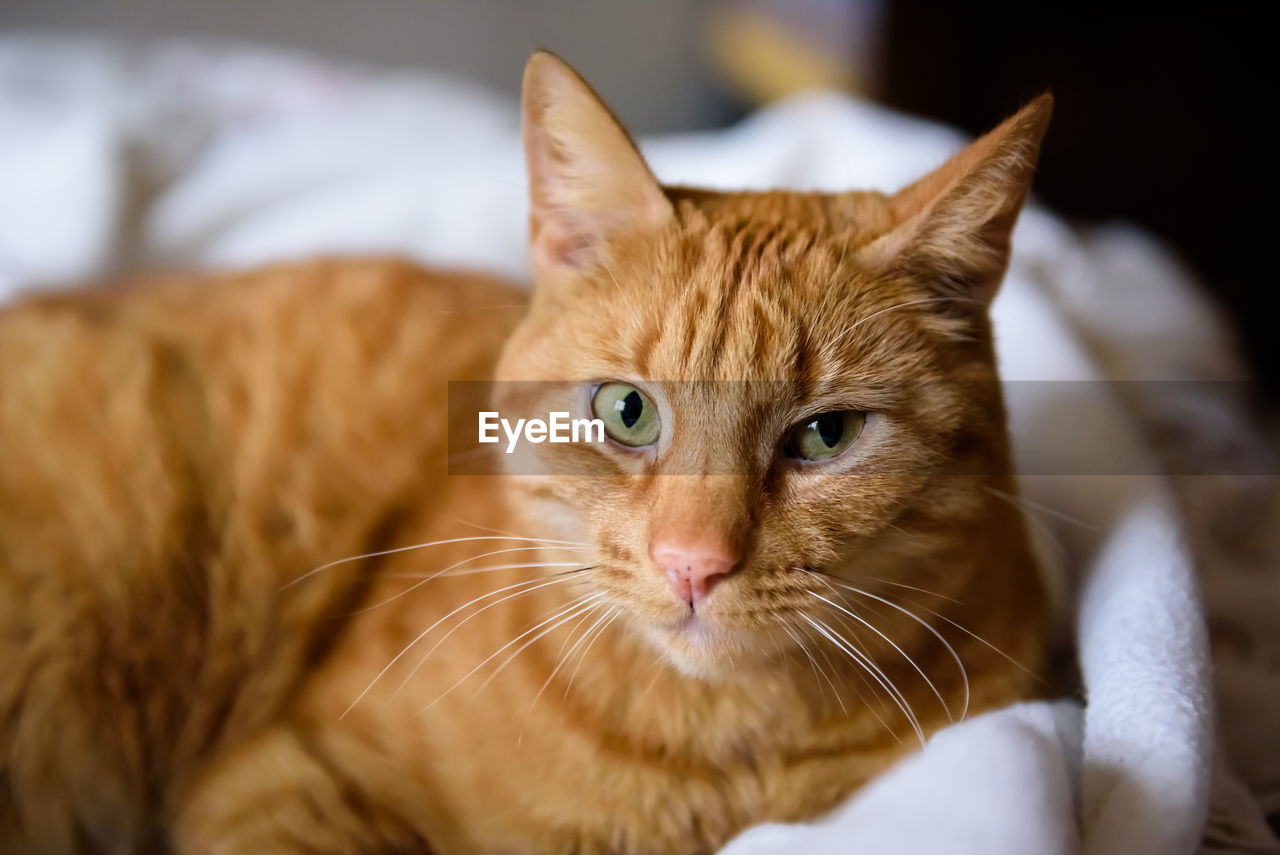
x: 824, y: 436
x: 629, y: 417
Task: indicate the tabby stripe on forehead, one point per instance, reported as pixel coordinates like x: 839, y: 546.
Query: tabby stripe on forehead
x: 764, y: 328
x: 642, y: 349
x: 747, y: 251
x: 691, y: 318
x: 804, y: 369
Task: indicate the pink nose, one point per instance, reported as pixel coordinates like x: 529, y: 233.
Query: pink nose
x: 692, y: 570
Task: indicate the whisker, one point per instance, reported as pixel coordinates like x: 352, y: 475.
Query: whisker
x: 954, y: 655
x: 492, y: 530
x: 1035, y: 522
x: 872, y: 669
x: 561, y: 659
x: 526, y: 645
x: 1025, y: 504
x: 532, y: 584
x: 630, y: 308
x: 976, y: 638
x: 460, y: 624
x: 866, y: 684
x: 656, y: 668
x: 903, y: 653
x: 398, y: 549
x: 894, y: 584
x: 813, y: 663
x: 862, y: 321
x: 437, y: 573
x: 477, y: 570
x: 580, y: 605
x: 612, y: 611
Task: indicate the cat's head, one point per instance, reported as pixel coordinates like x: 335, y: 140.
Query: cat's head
x: 788, y: 380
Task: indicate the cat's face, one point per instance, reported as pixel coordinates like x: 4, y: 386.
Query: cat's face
x: 787, y: 381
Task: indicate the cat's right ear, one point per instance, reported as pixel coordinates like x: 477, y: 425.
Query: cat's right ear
x: 587, y: 179
x: 954, y: 226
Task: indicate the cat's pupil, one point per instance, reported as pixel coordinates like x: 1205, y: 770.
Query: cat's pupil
x: 830, y: 427
x: 630, y: 408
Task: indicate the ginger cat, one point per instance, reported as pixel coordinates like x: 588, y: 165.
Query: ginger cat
x: 712, y: 621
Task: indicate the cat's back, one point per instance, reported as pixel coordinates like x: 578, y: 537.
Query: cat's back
x: 172, y: 452
x: 118, y: 399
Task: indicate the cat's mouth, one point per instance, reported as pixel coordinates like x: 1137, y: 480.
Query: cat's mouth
x: 703, y: 644
x: 695, y: 627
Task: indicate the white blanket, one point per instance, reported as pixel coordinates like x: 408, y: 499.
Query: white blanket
x: 115, y: 157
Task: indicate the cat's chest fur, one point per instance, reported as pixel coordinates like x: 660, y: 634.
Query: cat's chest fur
x: 614, y: 752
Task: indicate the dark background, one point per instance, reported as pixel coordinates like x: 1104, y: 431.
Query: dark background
x: 1160, y: 117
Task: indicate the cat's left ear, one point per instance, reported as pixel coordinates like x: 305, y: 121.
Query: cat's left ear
x: 587, y: 180
x: 953, y: 226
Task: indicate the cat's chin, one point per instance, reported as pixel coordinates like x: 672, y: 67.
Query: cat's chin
x: 698, y: 648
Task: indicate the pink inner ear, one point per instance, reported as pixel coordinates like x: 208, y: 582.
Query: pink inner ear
x: 587, y: 180
x: 884, y: 250
x: 557, y: 242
